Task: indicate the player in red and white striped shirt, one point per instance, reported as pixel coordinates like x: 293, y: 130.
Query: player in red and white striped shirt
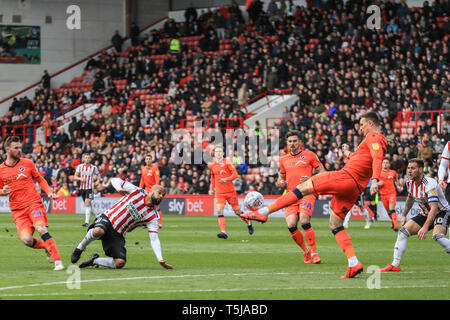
x: 434, y: 213
x: 88, y: 175
x: 135, y: 209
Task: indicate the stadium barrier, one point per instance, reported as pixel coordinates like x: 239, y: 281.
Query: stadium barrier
x: 196, y: 205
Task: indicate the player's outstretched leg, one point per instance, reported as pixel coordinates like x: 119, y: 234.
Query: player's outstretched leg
x: 261, y: 214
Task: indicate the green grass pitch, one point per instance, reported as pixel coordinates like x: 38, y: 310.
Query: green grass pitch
x: 265, y: 266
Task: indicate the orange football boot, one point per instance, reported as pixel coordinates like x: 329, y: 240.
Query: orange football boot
x: 255, y: 215
x: 353, y: 271
x: 307, y: 257
x: 390, y: 267
x: 316, y: 259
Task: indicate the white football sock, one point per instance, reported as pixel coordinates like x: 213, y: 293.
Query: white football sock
x: 87, y: 212
x: 400, y: 246
x: 353, y: 261
x: 105, y: 262
x: 443, y: 241
x: 88, y: 238
x: 347, y: 217
x: 366, y: 214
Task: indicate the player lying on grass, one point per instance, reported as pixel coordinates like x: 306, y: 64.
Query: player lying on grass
x: 434, y: 213
x: 135, y: 209
x: 344, y: 185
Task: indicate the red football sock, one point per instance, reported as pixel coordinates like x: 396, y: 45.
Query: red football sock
x: 394, y: 218
x: 344, y: 241
x: 222, y: 225
x: 311, y: 239
x: 51, y: 247
x: 38, y: 244
x: 284, y: 201
x: 298, y: 238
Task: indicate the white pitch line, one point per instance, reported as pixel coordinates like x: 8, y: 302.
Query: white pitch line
x: 187, y: 276
x: 77, y: 292
x: 143, y: 278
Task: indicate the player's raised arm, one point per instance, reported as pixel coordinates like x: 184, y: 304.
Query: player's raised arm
x: 123, y: 187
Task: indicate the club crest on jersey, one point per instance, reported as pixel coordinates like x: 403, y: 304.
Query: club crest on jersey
x: 375, y: 146
x: 21, y: 169
x: 434, y: 192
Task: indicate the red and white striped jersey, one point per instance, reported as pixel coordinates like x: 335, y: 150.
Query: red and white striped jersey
x: 88, y: 172
x: 428, y: 191
x: 444, y: 165
x: 130, y: 212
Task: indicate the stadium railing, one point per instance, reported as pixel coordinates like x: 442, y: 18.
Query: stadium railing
x: 207, y: 123
x: 27, y: 130
x: 411, y: 121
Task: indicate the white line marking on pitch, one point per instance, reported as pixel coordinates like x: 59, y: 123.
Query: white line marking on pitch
x: 201, y: 276
x: 143, y: 278
x: 77, y: 292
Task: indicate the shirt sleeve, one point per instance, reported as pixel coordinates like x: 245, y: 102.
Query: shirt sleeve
x: 213, y: 178
x: 376, y: 147
x: 315, y: 161
x: 443, y: 165
x: 282, y: 168
x: 157, y: 175
x: 432, y: 193
x: 141, y: 182
x: 121, y: 185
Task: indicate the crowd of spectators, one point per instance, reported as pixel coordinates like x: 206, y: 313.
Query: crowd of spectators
x: 324, y: 53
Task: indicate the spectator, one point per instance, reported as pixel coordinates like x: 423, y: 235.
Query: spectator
x: 45, y: 80
x: 134, y: 34
x: 174, y: 189
x: 425, y: 151
x: 117, y: 41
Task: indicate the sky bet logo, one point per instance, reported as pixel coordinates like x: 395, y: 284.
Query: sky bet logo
x: 176, y: 206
